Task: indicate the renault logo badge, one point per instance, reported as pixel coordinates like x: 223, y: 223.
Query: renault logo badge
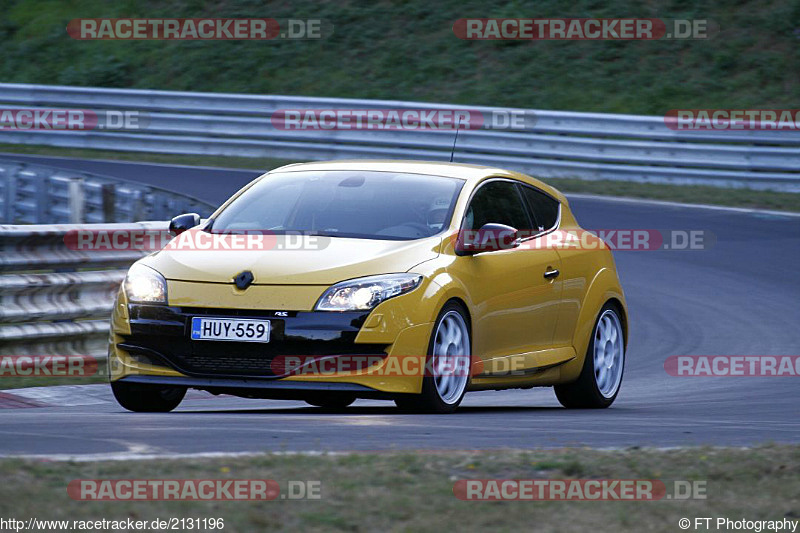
x: 243, y: 280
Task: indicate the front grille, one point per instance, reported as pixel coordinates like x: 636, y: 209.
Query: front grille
x: 162, y: 333
x: 229, y: 364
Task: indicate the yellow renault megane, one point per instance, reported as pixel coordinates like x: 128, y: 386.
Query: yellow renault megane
x: 409, y: 281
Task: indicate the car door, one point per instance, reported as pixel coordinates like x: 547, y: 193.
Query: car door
x: 546, y: 214
x: 515, y: 305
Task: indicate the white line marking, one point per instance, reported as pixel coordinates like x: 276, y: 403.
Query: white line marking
x: 126, y: 456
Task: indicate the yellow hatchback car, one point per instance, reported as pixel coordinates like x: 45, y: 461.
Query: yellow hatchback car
x: 408, y: 281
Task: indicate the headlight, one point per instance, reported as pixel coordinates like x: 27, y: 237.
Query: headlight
x: 363, y: 294
x: 145, y: 285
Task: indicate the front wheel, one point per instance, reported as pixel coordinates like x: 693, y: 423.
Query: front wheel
x: 448, y: 365
x: 601, y: 376
x: 143, y: 398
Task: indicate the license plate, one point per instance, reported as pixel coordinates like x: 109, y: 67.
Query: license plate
x: 230, y: 329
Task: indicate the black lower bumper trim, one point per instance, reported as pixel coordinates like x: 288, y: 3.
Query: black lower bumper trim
x: 259, y: 384
x: 250, y: 388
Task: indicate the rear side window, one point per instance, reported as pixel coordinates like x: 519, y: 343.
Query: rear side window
x: 497, y: 202
x: 543, y: 208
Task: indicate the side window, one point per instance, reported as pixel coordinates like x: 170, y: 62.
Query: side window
x: 497, y: 202
x: 543, y: 208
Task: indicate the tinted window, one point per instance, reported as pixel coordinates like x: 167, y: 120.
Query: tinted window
x: 543, y: 208
x: 371, y: 205
x: 496, y: 202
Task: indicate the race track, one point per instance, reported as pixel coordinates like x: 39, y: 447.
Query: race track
x: 741, y: 297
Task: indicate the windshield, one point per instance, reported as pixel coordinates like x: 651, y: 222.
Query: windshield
x: 368, y: 205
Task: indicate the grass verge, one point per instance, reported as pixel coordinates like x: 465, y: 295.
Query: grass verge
x: 20, y: 382
x: 399, y: 491
x: 693, y: 194
x: 408, y: 51
x: 254, y: 163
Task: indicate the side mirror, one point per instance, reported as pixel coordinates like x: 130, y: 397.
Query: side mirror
x: 181, y: 223
x: 490, y: 238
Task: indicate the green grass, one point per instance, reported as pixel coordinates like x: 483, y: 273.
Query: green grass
x: 696, y: 194
x: 407, y: 51
x: 401, y: 491
x: 19, y: 382
x: 254, y: 163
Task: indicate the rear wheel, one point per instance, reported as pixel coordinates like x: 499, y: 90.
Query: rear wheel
x: 330, y: 401
x: 601, y: 376
x: 448, y: 365
x: 143, y: 398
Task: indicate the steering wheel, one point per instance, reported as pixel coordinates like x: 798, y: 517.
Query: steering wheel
x: 422, y: 228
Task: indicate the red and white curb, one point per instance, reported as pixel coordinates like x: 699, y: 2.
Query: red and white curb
x: 67, y: 396
x: 13, y: 401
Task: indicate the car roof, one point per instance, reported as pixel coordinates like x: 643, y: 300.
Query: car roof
x: 469, y: 173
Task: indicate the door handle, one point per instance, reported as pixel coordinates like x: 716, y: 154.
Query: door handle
x: 551, y: 273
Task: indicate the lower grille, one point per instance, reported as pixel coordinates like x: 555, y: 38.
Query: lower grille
x: 229, y: 364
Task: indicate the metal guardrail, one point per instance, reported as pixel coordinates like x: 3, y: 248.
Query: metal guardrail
x: 38, y: 194
x: 54, y: 299
x: 557, y: 144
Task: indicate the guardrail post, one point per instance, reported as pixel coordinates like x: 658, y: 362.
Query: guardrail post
x: 137, y: 207
x: 11, y: 194
x: 77, y: 201
x: 42, y: 198
x: 108, y: 192
x: 162, y: 208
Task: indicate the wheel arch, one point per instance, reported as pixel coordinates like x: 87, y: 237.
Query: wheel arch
x: 449, y: 289
x: 604, y: 288
x: 464, y: 307
x: 623, y: 316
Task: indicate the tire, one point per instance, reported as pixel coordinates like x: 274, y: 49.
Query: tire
x: 443, y: 393
x: 141, y: 398
x: 331, y: 401
x: 594, y: 389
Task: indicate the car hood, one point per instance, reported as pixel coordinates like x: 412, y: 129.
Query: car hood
x: 334, y: 259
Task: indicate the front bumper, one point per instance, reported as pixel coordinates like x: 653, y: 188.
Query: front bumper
x: 151, y: 344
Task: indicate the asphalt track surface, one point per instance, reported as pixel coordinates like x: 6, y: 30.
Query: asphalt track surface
x: 740, y: 297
